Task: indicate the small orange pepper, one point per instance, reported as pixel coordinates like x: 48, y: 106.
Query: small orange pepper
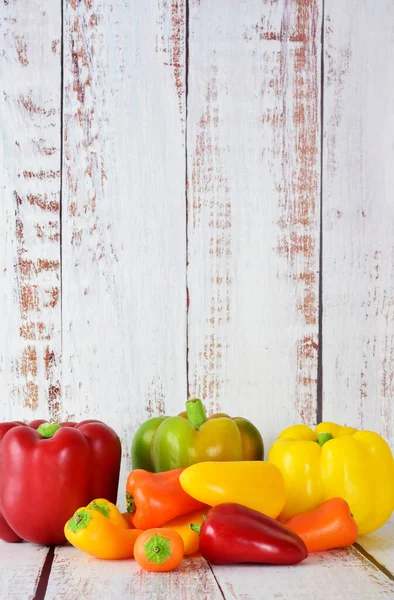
x: 93, y: 533
x: 110, y: 512
x: 182, y: 524
x: 159, y: 550
x: 328, y: 526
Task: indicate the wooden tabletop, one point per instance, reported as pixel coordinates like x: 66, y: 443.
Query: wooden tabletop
x: 365, y: 571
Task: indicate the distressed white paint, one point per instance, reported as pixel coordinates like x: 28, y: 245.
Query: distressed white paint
x: 345, y: 573
x: 124, y: 288
x: 358, y: 216
x: 380, y: 545
x: 340, y: 574
x: 20, y: 568
x: 253, y: 219
x: 29, y: 209
x: 76, y: 576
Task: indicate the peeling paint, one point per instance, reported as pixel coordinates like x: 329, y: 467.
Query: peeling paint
x: 172, y: 47
x: 211, y: 204
x: 21, y: 50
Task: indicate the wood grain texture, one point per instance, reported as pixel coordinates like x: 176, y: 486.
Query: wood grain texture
x: 358, y: 219
x: 30, y: 314
x: 124, y: 238
x: 345, y: 573
x: 20, y: 568
x: 253, y: 211
x: 380, y: 545
x: 76, y: 576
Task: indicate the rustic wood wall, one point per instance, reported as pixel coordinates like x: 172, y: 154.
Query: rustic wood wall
x: 196, y: 198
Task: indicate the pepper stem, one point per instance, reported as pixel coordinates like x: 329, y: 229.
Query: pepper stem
x: 100, y: 507
x: 158, y: 549
x: 322, y: 438
x: 130, y: 504
x: 79, y: 520
x: 196, y: 412
x: 195, y: 528
x: 48, y: 430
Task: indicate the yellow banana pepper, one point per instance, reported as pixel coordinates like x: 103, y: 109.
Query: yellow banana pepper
x: 254, y: 484
x: 357, y: 466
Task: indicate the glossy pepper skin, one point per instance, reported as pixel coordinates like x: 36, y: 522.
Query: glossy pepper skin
x: 255, y: 484
x: 43, y: 480
x: 93, y: 533
x: 110, y: 512
x: 182, y: 526
x: 155, y: 498
x: 328, y: 526
x: 233, y: 534
x: 165, y: 443
x: 334, y: 461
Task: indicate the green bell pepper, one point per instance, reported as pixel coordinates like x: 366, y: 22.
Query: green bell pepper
x: 164, y: 443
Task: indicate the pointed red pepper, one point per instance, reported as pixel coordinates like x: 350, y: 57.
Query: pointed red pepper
x: 233, y: 534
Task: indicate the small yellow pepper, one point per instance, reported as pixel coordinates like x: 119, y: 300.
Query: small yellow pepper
x: 110, y: 512
x: 335, y: 461
x: 254, y: 484
x: 182, y: 524
x: 93, y: 533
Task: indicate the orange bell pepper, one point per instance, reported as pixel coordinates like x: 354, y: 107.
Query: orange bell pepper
x: 155, y: 498
x: 182, y: 524
x: 93, y: 533
x: 110, y: 512
x: 328, y: 526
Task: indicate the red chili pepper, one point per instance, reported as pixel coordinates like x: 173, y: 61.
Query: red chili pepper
x: 48, y: 473
x: 232, y: 534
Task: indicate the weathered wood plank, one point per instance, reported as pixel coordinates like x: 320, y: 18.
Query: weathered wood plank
x: 20, y: 569
x: 253, y: 218
x: 380, y: 545
x: 358, y: 241
x: 75, y: 576
x: 342, y: 574
x: 30, y: 320
x: 124, y: 296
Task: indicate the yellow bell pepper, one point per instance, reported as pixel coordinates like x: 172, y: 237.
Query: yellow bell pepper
x: 357, y: 466
x: 254, y: 484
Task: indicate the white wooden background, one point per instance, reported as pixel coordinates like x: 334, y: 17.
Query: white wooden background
x: 196, y: 199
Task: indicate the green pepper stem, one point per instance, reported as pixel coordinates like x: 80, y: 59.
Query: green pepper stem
x: 158, y: 549
x: 130, y: 504
x: 195, y: 528
x: 48, y: 430
x: 196, y: 412
x: 322, y: 438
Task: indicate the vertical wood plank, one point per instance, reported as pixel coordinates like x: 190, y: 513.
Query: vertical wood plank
x: 20, y: 570
x: 358, y: 236
x: 75, y: 575
x: 30, y: 289
x: 253, y: 218
x: 346, y: 573
x: 124, y: 296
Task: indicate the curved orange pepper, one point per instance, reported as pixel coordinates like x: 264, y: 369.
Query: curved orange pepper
x: 328, y: 526
x: 155, y: 498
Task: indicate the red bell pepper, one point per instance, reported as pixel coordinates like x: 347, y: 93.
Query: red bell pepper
x: 48, y: 471
x: 232, y: 534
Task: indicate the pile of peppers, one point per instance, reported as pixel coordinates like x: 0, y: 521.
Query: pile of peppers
x: 198, y: 485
